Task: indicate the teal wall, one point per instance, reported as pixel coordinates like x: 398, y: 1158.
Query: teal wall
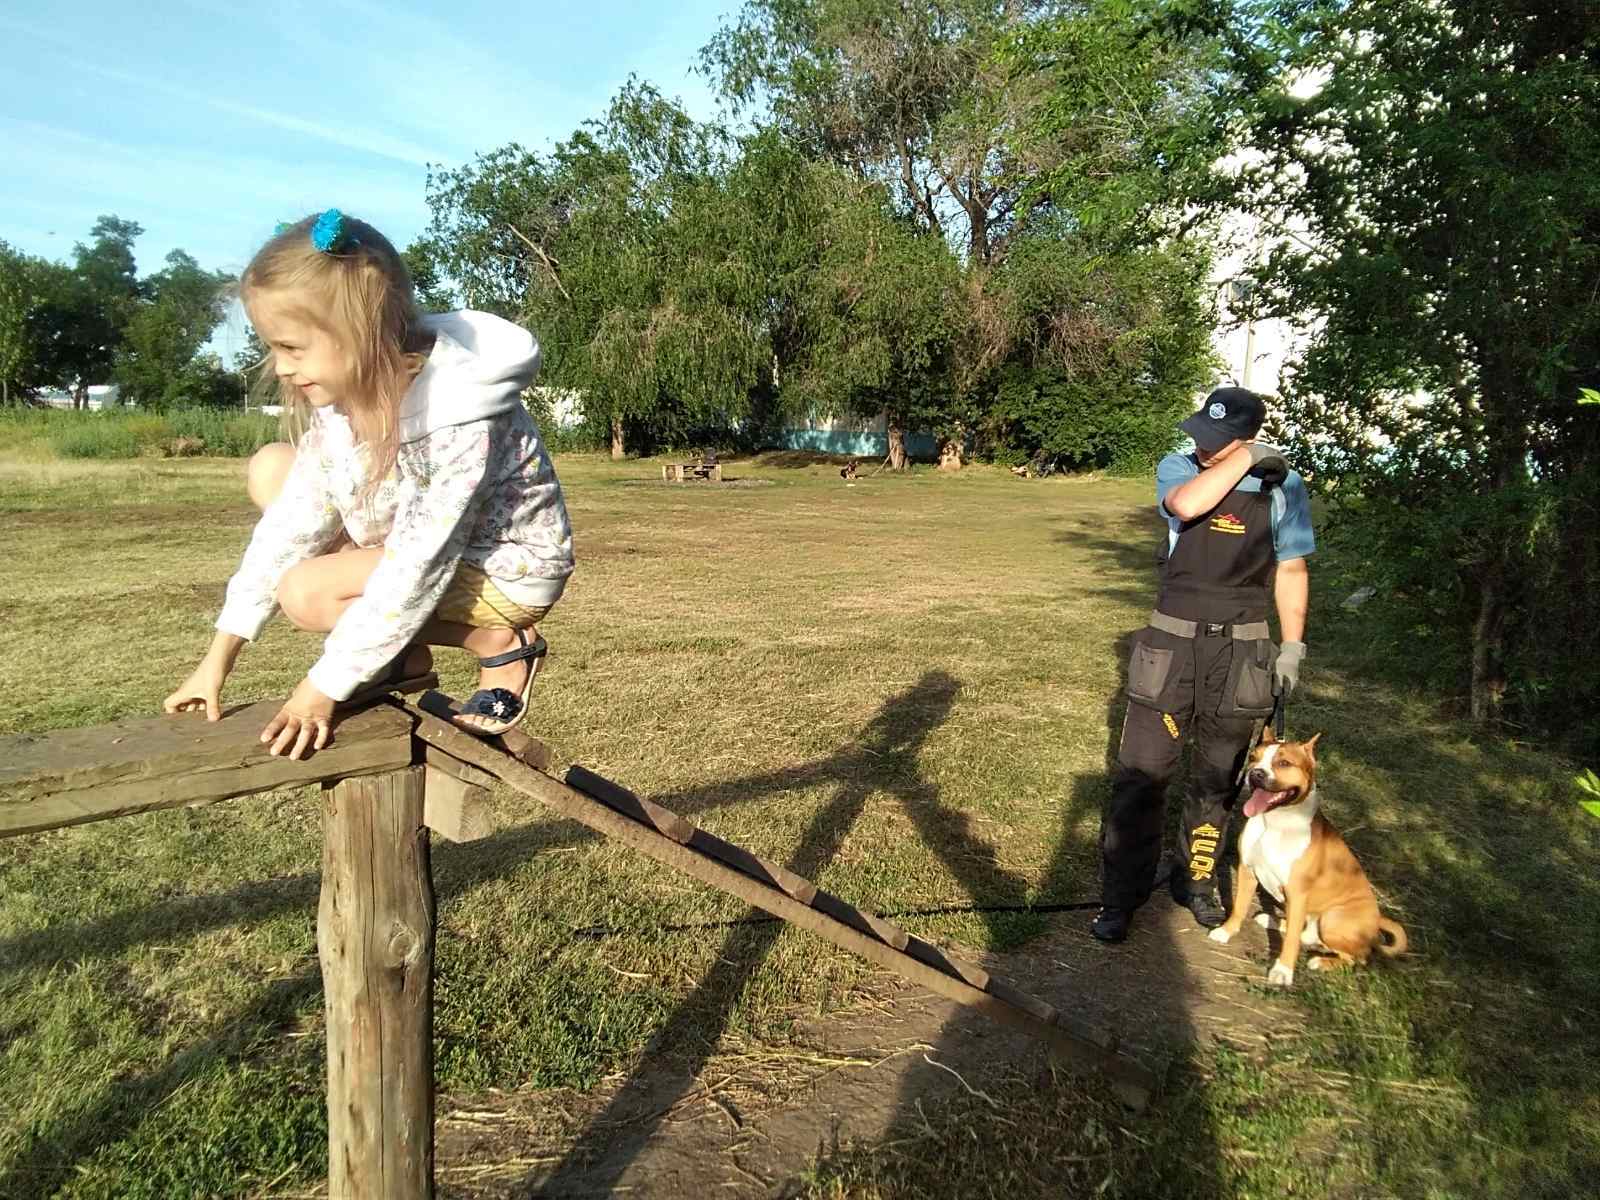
x: 854, y: 443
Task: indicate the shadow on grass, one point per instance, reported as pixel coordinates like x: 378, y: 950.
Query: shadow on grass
x: 883, y: 758
x: 1127, y: 557
x: 1043, y: 1132
x: 1146, y: 974
x: 1497, y: 1005
x: 48, y: 1157
x: 797, y: 459
x: 1487, y: 1035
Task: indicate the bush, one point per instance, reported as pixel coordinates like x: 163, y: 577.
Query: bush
x: 1103, y: 423
x: 226, y: 434
x: 120, y: 433
x: 96, y: 437
x: 1423, y: 560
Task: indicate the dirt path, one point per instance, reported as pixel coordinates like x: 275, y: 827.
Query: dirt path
x: 754, y: 1117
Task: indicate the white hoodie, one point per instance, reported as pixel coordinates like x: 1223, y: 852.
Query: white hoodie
x: 472, y: 483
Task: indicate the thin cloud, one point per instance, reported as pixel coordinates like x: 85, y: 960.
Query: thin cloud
x: 372, y: 142
x: 379, y: 144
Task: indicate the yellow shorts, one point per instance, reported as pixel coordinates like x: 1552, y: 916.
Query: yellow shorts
x: 473, y: 599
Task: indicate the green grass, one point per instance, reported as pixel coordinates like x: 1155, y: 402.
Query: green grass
x: 45, y: 435
x: 904, y: 689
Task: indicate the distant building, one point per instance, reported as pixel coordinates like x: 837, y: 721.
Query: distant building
x: 101, y: 395
x: 1255, y: 351
x: 565, y: 405
x: 848, y: 435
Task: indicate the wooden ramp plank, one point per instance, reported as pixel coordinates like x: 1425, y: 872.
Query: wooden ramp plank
x: 1075, y: 1043
x: 70, y: 776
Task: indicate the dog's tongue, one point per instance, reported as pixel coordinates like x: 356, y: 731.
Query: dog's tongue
x: 1260, y: 800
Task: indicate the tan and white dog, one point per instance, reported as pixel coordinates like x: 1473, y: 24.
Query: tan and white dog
x: 1291, y: 850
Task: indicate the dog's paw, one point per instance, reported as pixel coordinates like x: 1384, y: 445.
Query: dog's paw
x: 1268, y: 921
x: 1221, y: 934
x: 1280, y: 975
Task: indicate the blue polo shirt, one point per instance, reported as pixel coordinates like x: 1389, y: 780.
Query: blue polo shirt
x: 1291, y: 506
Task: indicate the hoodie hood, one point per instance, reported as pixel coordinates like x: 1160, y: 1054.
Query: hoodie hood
x: 479, y: 366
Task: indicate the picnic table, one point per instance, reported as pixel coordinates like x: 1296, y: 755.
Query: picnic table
x: 707, y: 467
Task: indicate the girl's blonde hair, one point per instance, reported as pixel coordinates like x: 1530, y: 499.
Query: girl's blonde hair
x: 361, y: 295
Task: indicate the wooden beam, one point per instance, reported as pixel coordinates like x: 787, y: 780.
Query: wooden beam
x: 1074, y: 1041
x: 70, y: 776
x: 438, y: 760
x: 457, y: 811
x: 375, y: 933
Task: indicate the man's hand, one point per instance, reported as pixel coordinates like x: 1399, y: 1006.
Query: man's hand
x: 1286, y: 675
x: 1267, y: 462
x: 303, y: 723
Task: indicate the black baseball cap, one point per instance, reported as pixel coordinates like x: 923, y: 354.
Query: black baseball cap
x: 1228, y: 413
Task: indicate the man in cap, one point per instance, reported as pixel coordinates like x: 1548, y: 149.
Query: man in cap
x: 1205, y: 668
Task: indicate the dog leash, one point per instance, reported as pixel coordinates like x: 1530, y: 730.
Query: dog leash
x: 1255, y: 737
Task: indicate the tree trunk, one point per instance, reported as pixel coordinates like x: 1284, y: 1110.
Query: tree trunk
x: 953, y: 451
x: 897, y: 446
x: 1506, y: 432
x: 80, y: 396
x: 618, y: 450
x: 1488, y: 649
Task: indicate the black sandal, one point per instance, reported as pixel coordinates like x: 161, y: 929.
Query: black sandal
x: 501, y: 708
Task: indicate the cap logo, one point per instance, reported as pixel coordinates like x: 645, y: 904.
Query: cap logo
x: 1217, y: 411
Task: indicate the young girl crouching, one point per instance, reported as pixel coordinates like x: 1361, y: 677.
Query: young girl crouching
x: 417, y: 505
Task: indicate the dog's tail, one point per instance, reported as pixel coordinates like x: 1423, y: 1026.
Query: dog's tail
x: 1394, y: 944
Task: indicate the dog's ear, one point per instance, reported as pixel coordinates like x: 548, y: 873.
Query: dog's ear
x: 1267, y: 736
x: 1311, y: 745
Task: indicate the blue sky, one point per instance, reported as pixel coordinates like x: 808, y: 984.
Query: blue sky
x: 209, y: 122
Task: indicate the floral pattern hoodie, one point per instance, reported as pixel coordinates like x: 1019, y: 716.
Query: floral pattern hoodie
x: 473, y: 483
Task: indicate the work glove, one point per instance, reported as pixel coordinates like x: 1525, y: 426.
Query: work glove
x: 1286, y: 674
x: 1267, y: 463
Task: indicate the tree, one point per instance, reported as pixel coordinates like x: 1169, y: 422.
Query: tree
x: 1117, y: 133
x: 21, y: 277
x: 1052, y: 134
x: 54, y: 313
x: 90, y: 313
x: 909, y: 94
x: 877, y: 314
x: 155, y: 365
x: 1101, y: 352
x: 433, y: 292
x: 612, y: 249
x: 1429, y: 167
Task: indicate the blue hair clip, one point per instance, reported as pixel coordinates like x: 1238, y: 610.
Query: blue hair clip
x: 331, y: 232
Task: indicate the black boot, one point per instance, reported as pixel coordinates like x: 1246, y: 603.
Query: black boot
x: 1201, y: 899
x: 1111, y: 924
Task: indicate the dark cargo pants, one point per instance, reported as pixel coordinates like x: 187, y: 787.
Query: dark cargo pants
x: 1211, y: 688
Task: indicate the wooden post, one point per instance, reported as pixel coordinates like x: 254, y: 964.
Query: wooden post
x: 375, y: 928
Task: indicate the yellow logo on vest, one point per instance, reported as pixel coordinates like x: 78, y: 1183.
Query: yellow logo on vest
x: 1172, y: 726
x: 1226, y: 523
x: 1202, y: 846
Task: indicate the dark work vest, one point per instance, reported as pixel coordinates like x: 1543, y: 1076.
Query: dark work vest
x: 1222, y: 566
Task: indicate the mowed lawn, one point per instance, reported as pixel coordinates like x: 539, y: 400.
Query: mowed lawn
x: 905, y: 689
